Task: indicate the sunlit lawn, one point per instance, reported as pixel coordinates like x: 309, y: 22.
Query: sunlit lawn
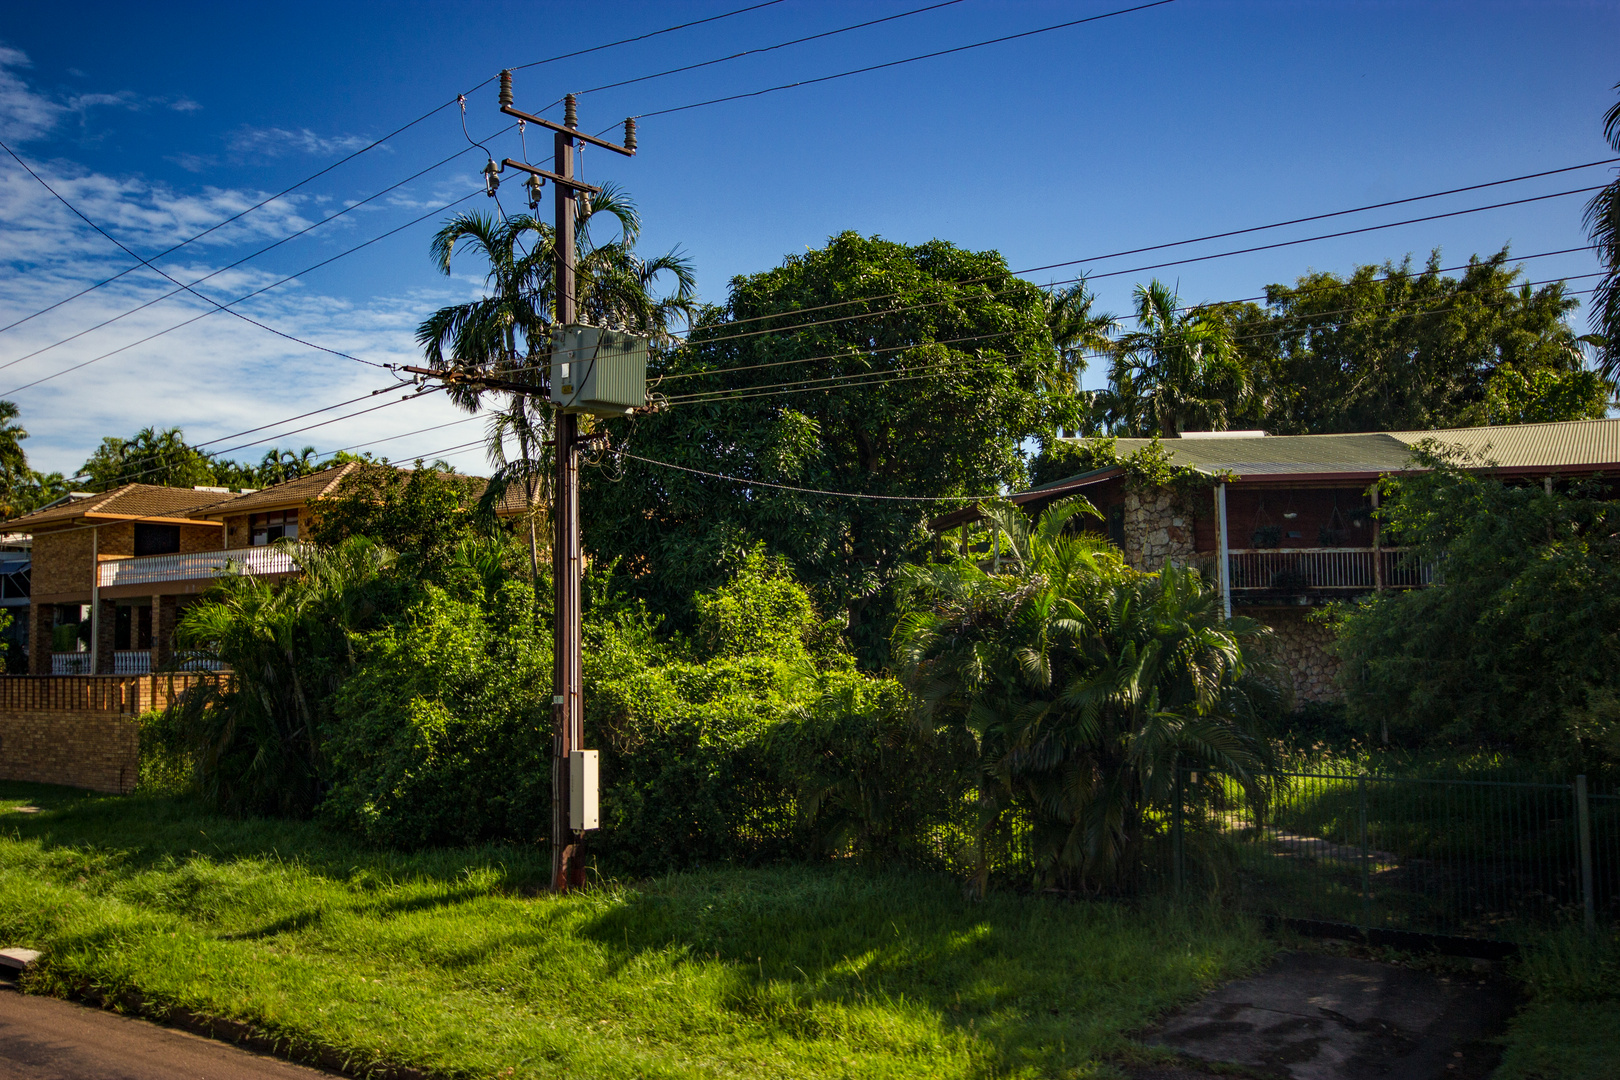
x: 453, y: 962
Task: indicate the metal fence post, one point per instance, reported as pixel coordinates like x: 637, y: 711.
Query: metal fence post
x: 1177, y: 830
x: 1583, y: 817
x: 1366, y: 867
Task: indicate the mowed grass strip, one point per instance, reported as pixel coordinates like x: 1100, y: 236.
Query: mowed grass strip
x: 454, y: 961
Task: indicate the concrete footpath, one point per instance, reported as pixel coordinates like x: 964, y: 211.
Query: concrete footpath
x: 46, y: 1039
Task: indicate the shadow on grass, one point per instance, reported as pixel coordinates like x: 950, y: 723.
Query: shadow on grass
x: 154, y: 830
x: 891, y: 957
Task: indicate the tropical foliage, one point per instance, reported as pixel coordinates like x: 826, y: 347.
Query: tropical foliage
x: 506, y: 333
x: 1083, y: 686
x: 1520, y: 647
x: 1178, y: 370
x: 897, y: 373
x: 1603, y: 225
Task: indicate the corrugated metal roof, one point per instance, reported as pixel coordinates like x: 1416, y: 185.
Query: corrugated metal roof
x: 1285, y: 453
x: 1530, y: 446
x: 130, y: 500
x: 1571, y: 444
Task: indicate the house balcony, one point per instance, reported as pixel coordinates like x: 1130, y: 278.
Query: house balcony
x: 1265, y: 573
x: 194, y: 566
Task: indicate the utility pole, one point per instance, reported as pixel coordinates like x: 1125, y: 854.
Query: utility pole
x: 568, y: 689
x: 568, y: 820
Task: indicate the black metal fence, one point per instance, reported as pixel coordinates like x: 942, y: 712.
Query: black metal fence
x: 1464, y: 858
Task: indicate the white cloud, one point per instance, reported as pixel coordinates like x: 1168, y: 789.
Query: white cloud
x: 218, y: 374
x: 24, y: 114
x: 278, y: 142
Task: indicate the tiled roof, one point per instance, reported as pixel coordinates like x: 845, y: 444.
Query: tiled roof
x: 287, y: 494
x: 128, y: 501
x: 1572, y: 444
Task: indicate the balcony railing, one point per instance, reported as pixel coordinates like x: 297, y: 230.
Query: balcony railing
x: 70, y: 663
x: 1299, y: 570
x: 155, y: 569
x: 132, y: 662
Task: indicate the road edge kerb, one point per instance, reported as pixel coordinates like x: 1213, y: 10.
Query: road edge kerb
x: 238, y: 1033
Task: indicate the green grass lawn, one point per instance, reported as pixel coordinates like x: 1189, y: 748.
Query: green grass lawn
x: 454, y: 962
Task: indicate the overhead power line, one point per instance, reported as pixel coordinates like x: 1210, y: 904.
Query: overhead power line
x: 770, y: 48
x: 1159, y: 247
x: 870, y: 378
x: 817, y: 491
x: 182, y: 286
x: 238, y: 300
x: 1187, y: 307
x: 907, y: 60
x: 266, y: 201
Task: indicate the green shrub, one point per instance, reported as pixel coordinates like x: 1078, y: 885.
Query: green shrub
x: 441, y: 733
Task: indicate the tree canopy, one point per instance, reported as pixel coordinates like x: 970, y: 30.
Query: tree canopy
x: 869, y: 367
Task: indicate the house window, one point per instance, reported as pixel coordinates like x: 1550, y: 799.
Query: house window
x: 276, y: 525
x: 156, y: 539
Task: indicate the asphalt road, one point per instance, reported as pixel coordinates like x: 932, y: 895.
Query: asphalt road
x: 47, y: 1039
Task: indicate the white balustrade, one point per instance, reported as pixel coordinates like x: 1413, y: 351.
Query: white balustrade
x: 152, y: 569
x: 70, y: 663
x: 1314, y: 569
x: 132, y: 662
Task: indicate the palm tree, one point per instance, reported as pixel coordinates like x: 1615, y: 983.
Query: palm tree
x: 1603, y: 226
x: 1177, y: 368
x: 1078, y: 332
x: 1085, y: 686
x: 14, y: 472
x: 507, y: 332
x: 256, y: 740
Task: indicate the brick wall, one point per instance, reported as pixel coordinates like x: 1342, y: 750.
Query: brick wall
x: 79, y: 731
x: 61, y: 562
x: 76, y: 748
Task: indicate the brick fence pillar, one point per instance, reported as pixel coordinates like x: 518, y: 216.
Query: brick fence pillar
x: 41, y: 618
x: 163, y: 617
x: 106, y: 626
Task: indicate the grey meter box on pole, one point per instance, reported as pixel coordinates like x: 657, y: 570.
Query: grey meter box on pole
x: 599, y: 371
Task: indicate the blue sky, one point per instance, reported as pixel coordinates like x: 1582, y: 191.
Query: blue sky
x: 1154, y: 126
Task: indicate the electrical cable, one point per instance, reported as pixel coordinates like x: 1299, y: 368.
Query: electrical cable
x: 1194, y: 240
x: 818, y: 491
x: 843, y: 381
x: 907, y: 60
x: 378, y: 142
x: 1021, y: 285
x: 767, y: 48
x: 1086, y: 356
x: 238, y: 300
x: 182, y: 286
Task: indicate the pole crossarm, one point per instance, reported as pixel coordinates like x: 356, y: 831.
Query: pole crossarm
x: 577, y: 185
x: 627, y: 151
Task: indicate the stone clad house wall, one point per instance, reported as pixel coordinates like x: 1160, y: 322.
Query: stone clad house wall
x: 1158, y: 527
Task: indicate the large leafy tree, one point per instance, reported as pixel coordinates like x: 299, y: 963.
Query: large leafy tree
x: 507, y: 331
x: 1177, y: 370
x: 866, y: 367
x: 1396, y: 348
x: 1603, y: 224
x: 1084, y: 685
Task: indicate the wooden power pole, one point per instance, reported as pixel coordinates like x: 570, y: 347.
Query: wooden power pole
x: 568, y: 690
x: 570, y: 816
